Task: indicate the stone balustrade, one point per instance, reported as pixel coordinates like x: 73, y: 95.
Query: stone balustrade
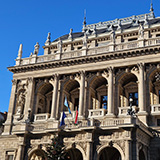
x: 41, y: 117
x: 95, y: 113
x: 90, y: 51
x: 123, y: 110
x: 155, y: 109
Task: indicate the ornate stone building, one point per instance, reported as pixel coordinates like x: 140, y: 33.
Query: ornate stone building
x: 111, y: 72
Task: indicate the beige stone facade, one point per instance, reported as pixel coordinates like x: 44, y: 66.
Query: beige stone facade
x: 111, y: 72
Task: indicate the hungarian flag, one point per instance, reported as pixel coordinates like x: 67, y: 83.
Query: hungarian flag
x: 76, y: 118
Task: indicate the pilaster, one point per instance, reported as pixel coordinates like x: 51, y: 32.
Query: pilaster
x: 8, y: 123
x: 110, y: 92
x: 29, y: 97
x: 141, y: 93
x: 54, y: 96
x: 81, y: 97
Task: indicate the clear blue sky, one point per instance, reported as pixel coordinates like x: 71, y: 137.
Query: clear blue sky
x: 29, y: 21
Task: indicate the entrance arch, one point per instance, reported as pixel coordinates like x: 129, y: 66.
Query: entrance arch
x: 141, y: 155
x: 109, y: 153
x: 73, y: 154
x: 37, y: 154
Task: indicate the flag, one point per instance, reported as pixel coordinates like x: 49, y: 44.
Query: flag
x: 66, y: 104
x: 76, y: 118
x: 62, y: 120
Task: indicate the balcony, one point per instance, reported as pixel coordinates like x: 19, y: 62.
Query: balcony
x: 97, y: 113
x: 124, y: 110
x: 41, y: 117
x: 155, y: 109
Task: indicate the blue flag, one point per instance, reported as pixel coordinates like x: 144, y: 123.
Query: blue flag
x: 66, y: 104
x: 62, y: 120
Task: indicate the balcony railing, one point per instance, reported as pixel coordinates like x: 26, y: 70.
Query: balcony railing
x: 41, y: 117
x: 95, y: 113
x: 155, y: 109
x: 124, y: 110
x: 91, y: 51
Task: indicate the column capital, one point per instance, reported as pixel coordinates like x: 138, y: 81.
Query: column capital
x: 14, y: 82
x: 141, y: 65
x: 110, y: 69
x: 30, y: 80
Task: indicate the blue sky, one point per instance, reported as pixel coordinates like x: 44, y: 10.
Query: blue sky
x: 29, y: 21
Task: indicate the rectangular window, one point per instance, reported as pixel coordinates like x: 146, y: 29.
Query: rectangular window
x: 10, y: 157
x: 158, y: 122
x: 104, y: 100
x: 134, y: 96
x: 76, y: 104
x: 159, y: 96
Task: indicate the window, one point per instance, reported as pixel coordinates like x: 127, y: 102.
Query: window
x: 10, y: 157
x: 104, y: 102
x: 158, y: 122
x: 134, y: 96
x: 159, y: 96
x: 76, y: 104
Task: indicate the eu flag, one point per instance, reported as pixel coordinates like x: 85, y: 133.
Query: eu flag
x: 66, y: 104
x: 62, y: 120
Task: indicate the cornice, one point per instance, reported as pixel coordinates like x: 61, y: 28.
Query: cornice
x: 86, y: 59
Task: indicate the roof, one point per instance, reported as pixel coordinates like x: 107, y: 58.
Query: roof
x: 117, y: 24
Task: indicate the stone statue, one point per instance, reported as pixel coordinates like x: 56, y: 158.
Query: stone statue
x: 141, y: 31
x: 112, y: 36
x: 20, y: 103
x: 48, y: 38
x: 85, y: 40
x: 59, y: 45
x: 70, y: 33
x: 36, y: 48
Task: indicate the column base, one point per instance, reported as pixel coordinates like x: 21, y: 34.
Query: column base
x: 142, y: 116
x: 110, y: 115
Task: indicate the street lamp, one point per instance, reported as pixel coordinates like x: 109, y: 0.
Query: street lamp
x: 130, y: 111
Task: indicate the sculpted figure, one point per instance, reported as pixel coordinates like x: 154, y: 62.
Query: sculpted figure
x: 112, y: 36
x: 20, y: 102
x: 85, y: 40
x: 59, y: 45
x: 36, y: 48
x: 48, y: 38
x: 141, y: 31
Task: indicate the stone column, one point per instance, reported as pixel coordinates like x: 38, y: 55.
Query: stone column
x: 20, y: 152
x: 128, y: 150
x: 7, y: 128
x: 141, y: 88
x: 54, y: 96
x: 81, y: 94
x: 89, y: 152
x: 29, y: 97
x: 110, y: 91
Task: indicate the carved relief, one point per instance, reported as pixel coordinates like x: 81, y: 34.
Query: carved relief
x: 21, y: 99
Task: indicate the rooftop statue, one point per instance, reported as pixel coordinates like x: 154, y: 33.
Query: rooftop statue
x: 36, y: 48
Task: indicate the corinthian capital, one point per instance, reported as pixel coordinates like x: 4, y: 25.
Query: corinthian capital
x: 140, y: 65
x: 14, y: 81
x: 110, y: 69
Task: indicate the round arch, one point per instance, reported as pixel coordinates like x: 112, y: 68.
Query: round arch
x: 100, y: 149
x: 36, y: 153
x: 142, y: 155
x: 78, y: 148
